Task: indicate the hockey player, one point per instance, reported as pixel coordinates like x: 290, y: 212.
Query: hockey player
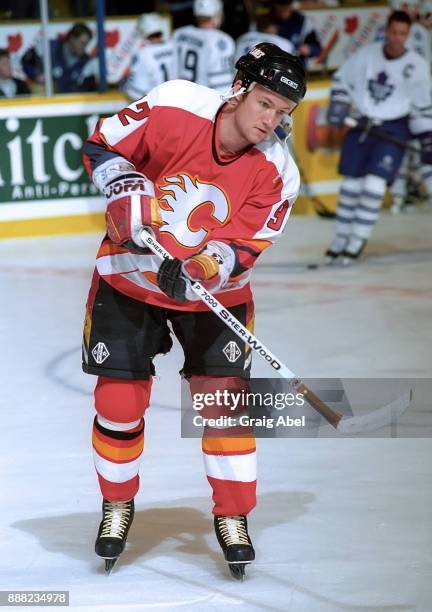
x: 266, y: 32
x: 389, y: 89
x: 205, y: 53
x: 172, y: 162
x: 420, y: 41
x: 155, y: 62
x: 411, y: 169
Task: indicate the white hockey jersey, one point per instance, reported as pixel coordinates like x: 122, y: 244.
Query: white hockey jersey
x: 205, y: 56
x: 248, y: 41
x: 153, y: 64
x: 385, y: 89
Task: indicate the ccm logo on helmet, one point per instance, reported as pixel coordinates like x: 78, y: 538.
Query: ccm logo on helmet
x: 289, y: 82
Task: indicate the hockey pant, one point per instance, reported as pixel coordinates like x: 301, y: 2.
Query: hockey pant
x: 118, y: 443
x: 359, y: 205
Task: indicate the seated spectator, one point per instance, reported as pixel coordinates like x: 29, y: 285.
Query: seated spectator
x: 73, y: 70
x: 296, y: 27
x: 9, y: 85
x: 266, y: 31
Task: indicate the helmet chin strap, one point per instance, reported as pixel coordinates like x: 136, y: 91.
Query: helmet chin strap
x: 233, y: 94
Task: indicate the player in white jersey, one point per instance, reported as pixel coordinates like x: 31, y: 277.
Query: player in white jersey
x: 389, y: 89
x: 412, y: 171
x: 154, y: 63
x: 266, y: 32
x: 205, y: 53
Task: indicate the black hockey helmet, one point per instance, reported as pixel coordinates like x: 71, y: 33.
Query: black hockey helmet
x: 273, y: 68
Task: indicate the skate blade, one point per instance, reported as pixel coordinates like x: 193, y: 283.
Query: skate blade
x: 237, y: 569
x: 109, y: 564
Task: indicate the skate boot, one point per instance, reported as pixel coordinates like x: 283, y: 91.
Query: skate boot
x: 233, y: 537
x: 336, y: 248
x: 397, y: 204
x: 353, y: 250
x: 117, y: 518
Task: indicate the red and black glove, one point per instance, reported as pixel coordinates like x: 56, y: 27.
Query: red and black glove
x: 131, y: 207
x: 211, y: 267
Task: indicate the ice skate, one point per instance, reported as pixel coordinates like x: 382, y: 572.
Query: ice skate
x: 233, y: 537
x: 335, y: 249
x: 397, y: 205
x: 117, y: 518
x: 353, y: 250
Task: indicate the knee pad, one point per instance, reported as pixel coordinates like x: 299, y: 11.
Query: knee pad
x: 374, y: 185
x: 215, y: 396
x: 122, y: 401
x: 352, y: 186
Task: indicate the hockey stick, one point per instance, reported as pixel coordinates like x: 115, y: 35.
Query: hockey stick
x: 371, y: 129
x: 320, y: 208
x: 383, y: 416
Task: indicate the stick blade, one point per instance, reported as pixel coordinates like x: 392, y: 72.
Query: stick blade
x: 378, y: 418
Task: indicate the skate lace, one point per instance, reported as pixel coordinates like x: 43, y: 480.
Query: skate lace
x: 233, y: 530
x: 116, y: 519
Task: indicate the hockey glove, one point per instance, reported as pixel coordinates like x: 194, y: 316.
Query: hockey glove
x: 337, y: 112
x: 211, y: 267
x: 426, y: 147
x: 131, y: 207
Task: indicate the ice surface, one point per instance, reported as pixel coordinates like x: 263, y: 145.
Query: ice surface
x: 340, y: 524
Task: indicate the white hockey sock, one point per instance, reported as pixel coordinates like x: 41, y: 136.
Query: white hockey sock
x: 367, y: 211
x: 117, y: 449
x: 426, y: 175
x: 399, y: 187
x: 349, y: 194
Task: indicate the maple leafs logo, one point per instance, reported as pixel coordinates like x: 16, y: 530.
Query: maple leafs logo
x: 379, y: 88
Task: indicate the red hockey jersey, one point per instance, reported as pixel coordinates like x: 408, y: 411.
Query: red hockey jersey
x: 172, y: 136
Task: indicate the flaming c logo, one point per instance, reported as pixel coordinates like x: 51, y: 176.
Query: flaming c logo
x: 190, y: 208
